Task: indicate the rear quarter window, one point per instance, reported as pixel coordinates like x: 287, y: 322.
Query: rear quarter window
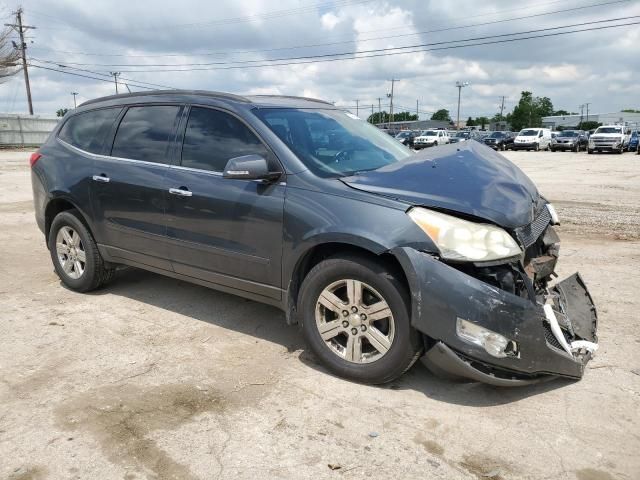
x: 88, y: 130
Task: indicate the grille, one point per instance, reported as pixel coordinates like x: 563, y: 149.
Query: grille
x: 550, y: 337
x: 530, y: 233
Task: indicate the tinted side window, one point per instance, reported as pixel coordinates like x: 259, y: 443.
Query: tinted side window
x: 88, y: 130
x: 145, y: 133
x: 213, y: 137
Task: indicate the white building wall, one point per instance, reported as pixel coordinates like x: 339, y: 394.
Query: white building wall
x: 25, y: 130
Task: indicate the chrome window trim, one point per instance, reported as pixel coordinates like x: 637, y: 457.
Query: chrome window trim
x: 99, y: 156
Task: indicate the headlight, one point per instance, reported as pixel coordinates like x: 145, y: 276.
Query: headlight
x: 459, y: 239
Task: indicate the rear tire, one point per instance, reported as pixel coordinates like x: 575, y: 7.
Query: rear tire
x: 368, y: 350
x: 589, y: 151
x: 75, y: 255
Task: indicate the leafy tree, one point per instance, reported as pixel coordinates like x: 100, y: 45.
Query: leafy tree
x: 9, y: 56
x: 471, y: 122
x: 62, y: 112
x: 482, y: 121
x: 590, y: 125
x: 383, y: 117
x: 630, y: 110
x: 529, y: 111
x: 561, y: 113
x: 442, y: 114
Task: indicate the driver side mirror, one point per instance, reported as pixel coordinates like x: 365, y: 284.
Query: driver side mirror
x: 249, y: 167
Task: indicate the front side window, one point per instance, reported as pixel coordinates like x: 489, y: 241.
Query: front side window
x: 145, y: 133
x: 213, y: 137
x: 332, y: 143
x: 89, y: 130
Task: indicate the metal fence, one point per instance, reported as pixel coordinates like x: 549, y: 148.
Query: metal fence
x: 20, y: 130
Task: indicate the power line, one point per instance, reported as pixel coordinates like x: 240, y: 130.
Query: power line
x: 344, y: 42
x: 385, y: 52
x: 326, y: 55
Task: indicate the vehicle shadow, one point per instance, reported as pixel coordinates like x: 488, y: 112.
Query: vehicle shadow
x: 268, y: 323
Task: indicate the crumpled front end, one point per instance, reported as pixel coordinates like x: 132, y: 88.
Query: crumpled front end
x: 502, y: 323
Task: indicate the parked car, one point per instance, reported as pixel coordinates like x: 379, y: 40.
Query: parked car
x: 500, y: 140
x: 406, y: 137
x: 633, y: 141
x: 464, y: 136
x: 533, y: 139
x: 574, y: 140
x: 380, y: 254
x: 609, y: 138
x: 431, y: 138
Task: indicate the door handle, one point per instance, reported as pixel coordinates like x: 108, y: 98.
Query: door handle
x: 181, y: 192
x: 101, y: 178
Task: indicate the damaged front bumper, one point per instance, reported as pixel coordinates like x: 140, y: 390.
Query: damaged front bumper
x: 553, y: 334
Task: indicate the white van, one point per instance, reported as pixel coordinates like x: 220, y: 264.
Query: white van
x: 533, y: 139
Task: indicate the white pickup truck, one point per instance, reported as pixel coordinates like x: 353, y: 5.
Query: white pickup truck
x: 609, y: 138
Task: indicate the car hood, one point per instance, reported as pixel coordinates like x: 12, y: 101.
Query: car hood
x: 469, y: 178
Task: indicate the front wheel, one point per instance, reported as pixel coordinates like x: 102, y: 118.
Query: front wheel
x: 75, y: 255
x: 355, y: 318
x: 589, y: 151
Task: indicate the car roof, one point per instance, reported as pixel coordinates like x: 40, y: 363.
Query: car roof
x: 205, y: 96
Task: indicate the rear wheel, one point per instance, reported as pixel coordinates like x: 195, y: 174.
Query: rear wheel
x: 75, y: 255
x: 537, y: 147
x: 589, y: 151
x: 355, y: 318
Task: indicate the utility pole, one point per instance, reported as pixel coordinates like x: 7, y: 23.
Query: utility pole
x: 357, y: 108
x: 390, y: 95
x: 74, y: 99
x: 587, y: 105
x: 459, y: 85
x: 501, y: 107
x: 115, y: 79
x: 581, y: 112
x: 18, y: 27
x: 379, y: 111
x: 372, y: 113
x: 417, y: 113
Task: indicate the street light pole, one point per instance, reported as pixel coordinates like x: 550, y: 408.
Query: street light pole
x: 460, y: 85
x: 74, y: 99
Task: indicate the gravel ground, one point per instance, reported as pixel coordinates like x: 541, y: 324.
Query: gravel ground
x: 155, y: 378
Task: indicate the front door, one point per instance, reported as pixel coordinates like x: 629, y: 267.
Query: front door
x: 228, y: 232
x: 130, y: 186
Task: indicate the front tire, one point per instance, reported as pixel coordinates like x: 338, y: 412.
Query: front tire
x: 355, y: 319
x: 75, y: 255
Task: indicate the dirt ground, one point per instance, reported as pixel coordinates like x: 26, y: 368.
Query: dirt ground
x: 155, y: 378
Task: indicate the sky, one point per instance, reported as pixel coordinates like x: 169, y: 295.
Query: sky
x: 144, y: 39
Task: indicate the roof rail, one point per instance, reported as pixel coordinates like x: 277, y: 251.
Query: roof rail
x: 293, y: 97
x: 228, y: 96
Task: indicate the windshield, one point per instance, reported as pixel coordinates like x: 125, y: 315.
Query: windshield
x: 528, y: 133
x: 332, y: 143
x: 496, y: 135
x: 429, y: 133
x: 568, y: 134
x: 462, y: 135
x: 609, y: 130
x: 403, y: 134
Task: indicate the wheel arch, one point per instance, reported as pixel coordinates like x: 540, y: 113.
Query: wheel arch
x: 60, y: 204
x: 321, y: 251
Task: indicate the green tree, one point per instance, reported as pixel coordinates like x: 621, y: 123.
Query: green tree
x: 529, y: 111
x: 630, y: 110
x: 590, y: 125
x: 442, y: 114
x: 471, y: 122
x: 482, y: 121
x: 404, y: 117
x: 62, y: 112
x: 561, y: 113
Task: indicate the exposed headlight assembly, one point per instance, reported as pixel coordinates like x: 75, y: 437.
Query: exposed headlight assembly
x: 461, y: 240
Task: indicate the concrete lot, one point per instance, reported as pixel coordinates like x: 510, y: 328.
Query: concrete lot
x: 156, y: 378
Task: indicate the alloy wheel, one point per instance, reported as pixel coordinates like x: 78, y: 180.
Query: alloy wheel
x: 70, y: 252
x: 355, y: 321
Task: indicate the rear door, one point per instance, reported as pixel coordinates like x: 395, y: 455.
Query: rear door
x: 129, y: 185
x: 227, y: 232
